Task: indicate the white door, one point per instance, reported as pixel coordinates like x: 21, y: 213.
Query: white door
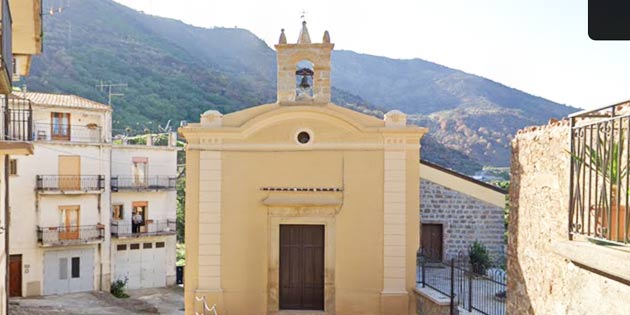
x: 142, y: 264
x: 67, y: 271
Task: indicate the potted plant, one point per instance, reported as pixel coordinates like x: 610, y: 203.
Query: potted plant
x: 479, y: 258
x: 604, y: 161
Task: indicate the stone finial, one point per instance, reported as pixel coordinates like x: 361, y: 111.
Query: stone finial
x: 304, y: 37
x: 395, y: 118
x: 283, y: 38
x: 326, y: 39
x: 212, y: 118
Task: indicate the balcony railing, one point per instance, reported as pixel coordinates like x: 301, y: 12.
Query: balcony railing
x: 64, y: 132
x: 52, y: 183
x: 6, y: 41
x: 70, y: 235
x: 16, y: 119
x: 143, y: 183
x: 600, y: 183
x: 122, y: 228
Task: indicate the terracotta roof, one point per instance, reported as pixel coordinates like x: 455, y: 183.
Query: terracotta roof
x: 464, y: 177
x: 62, y: 100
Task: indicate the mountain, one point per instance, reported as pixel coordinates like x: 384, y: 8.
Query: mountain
x: 175, y: 72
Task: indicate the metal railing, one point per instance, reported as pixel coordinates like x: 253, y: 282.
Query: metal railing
x: 70, y: 182
x: 120, y: 228
x: 205, y: 310
x: 7, y: 40
x: 17, y: 119
x: 599, y: 179
x: 65, y: 132
x: 143, y: 183
x: 70, y: 235
x: 469, y: 287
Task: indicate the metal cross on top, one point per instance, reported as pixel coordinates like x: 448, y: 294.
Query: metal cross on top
x: 303, y: 16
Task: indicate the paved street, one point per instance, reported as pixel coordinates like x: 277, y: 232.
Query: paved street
x: 165, y: 301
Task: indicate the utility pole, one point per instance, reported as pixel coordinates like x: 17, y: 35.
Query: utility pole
x: 109, y: 86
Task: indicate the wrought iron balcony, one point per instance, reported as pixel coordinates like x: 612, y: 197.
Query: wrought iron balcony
x: 124, y: 228
x: 16, y: 119
x: 6, y: 49
x: 599, y: 182
x: 90, y: 133
x: 70, y: 235
x: 70, y: 183
x: 119, y: 183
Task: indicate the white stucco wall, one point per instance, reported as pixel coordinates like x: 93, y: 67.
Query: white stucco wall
x: 79, y: 118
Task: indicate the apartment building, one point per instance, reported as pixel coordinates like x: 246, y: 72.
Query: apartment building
x: 20, y: 39
x: 74, y: 198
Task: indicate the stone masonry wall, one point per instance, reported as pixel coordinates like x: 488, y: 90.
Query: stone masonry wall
x: 540, y: 281
x: 464, y: 219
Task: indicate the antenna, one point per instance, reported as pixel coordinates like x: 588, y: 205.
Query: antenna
x: 109, y: 86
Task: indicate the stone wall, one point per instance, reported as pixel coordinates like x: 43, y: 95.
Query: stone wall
x: 464, y: 219
x: 539, y: 280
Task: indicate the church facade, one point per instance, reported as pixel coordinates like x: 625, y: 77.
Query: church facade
x: 302, y: 204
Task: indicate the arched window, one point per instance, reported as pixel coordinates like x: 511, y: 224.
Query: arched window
x: 304, y: 80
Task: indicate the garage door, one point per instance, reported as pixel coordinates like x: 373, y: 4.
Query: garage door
x: 142, y: 264
x: 67, y: 271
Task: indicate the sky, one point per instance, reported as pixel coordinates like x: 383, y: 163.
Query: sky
x: 537, y: 46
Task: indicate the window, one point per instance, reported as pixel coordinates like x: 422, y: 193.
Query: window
x: 117, y: 212
x: 147, y: 245
x: 60, y: 126
x: 159, y: 245
x: 76, y: 267
x: 63, y: 268
x: 13, y: 167
x: 140, y: 170
x: 134, y: 246
x: 121, y: 247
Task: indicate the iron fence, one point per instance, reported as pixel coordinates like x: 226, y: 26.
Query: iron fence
x: 120, y: 228
x: 476, y: 289
x: 70, y: 235
x: 90, y: 133
x: 599, y: 181
x: 70, y: 182
x: 17, y: 119
x: 143, y: 182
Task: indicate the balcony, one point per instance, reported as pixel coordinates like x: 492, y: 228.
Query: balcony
x: 70, y: 235
x: 133, y: 183
x: 70, y: 184
x: 6, y: 74
x: 90, y: 133
x: 599, y: 181
x: 124, y: 229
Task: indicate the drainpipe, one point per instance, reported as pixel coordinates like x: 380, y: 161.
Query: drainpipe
x: 6, y: 229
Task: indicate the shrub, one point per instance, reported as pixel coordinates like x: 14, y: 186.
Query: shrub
x: 479, y: 258
x: 118, y: 289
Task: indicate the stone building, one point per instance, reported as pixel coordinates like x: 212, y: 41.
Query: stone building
x: 302, y: 204
x: 456, y: 210
x: 564, y: 255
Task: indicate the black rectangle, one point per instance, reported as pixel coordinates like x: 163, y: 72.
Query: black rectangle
x: 609, y: 19
x: 76, y: 267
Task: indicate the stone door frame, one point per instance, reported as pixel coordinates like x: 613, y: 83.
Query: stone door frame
x: 307, y: 216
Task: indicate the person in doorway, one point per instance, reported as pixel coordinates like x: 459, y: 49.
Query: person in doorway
x: 136, y: 221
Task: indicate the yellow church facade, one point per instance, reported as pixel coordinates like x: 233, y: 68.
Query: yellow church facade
x: 302, y: 205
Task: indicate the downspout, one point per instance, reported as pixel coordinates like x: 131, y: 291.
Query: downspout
x: 6, y: 205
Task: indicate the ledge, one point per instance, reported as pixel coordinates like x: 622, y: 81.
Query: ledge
x: 433, y: 295
x: 304, y: 200
x: 610, y: 261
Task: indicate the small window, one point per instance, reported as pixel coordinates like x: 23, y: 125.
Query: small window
x: 60, y: 126
x: 303, y: 137
x: 13, y: 167
x: 147, y: 245
x: 134, y: 246
x: 63, y: 268
x: 121, y: 247
x: 117, y: 212
x: 76, y: 267
x: 159, y: 245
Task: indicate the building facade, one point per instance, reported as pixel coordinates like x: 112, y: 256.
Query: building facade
x: 457, y: 210
x: 69, y: 236
x: 20, y: 39
x: 302, y: 204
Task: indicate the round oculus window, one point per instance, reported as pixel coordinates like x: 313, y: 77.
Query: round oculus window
x: 303, y: 137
